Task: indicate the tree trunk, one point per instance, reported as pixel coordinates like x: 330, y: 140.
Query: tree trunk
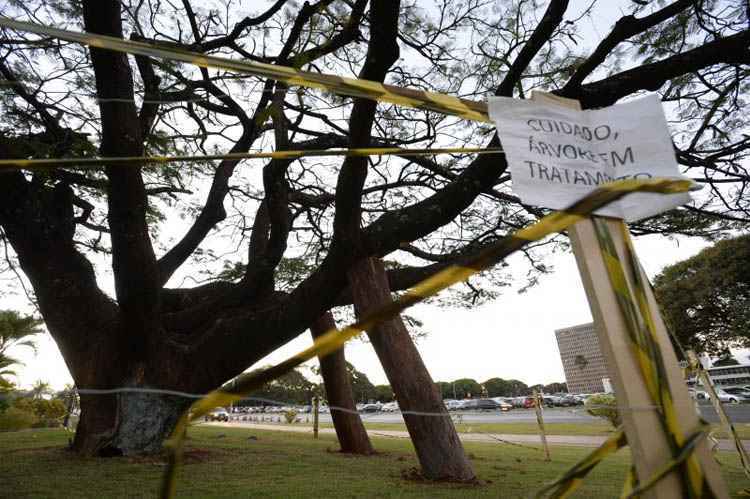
x: 349, y: 428
x: 434, y: 437
x: 126, y: 423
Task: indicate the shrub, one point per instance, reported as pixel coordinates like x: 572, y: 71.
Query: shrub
x: 48, y: 410
x: 15, y: 419
x: 290, y: 416
x: 47, y: 423
x: 604, y: 406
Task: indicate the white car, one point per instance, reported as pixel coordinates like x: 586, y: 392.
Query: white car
x: 390, y: 407
x: 452, y: 405
x: 732, y: 398
x: 698, y: 394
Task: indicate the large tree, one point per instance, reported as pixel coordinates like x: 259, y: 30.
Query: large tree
x: 126, y: 263
x: 706, y: 298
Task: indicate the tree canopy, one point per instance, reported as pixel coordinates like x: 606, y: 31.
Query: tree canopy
x: 183, y: 275
x: 706, y: 298
x: 291, y: 388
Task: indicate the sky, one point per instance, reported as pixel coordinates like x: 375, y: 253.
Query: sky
x: 509, y: 337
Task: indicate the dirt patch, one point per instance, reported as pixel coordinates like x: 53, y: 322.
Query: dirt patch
x: 414, y: 474
x: 332, y: 450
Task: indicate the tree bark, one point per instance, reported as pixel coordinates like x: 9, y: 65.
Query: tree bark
x: 350, y: 431
x: 434, y: 437
x: 126, y: 424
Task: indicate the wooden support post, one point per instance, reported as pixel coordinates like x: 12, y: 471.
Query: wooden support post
x: 539, y: 407
x: 708, y: 383
x: 316, y: 412
x: 646, y: 437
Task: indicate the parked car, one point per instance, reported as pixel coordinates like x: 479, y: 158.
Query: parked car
x: 452, y: 405
x: 323, y: 409
x: 738, y: 390
x: 390, y: 407
x: 219, y: 414
x: 502, y: 403
x: 569, y: 401
x: 698, y: 395
x: 371, y: 407
x: 551, y: 401
x: 731, y: 398
x: 519, y: 402
x: 487, y: 405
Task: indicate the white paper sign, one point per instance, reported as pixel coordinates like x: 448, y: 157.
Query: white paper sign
x: 558, y: 155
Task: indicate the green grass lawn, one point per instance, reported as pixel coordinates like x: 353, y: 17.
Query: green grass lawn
x: 594, y: 428
x: 225, y: 462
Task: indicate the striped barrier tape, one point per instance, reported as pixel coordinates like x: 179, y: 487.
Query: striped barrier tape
x: 708, y: 384
x: 334, y: 339
x: 683, y: 456
x: 45, y: 163
x: 572, y: 479
x: 642, y: 335
x: 352, y: 87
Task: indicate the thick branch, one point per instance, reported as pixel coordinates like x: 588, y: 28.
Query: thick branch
x: 382, y: 52
x: 624, y: 28
x: 415, y: 221
x: 542, y: 34
x: 239, y: 28
x: 133, y: 259
x: 38, y: 221
x: 730, y: 50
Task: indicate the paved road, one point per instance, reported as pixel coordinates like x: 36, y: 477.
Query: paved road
x: 737, y: 413
x: 552, y: 415
x: 568, y: 440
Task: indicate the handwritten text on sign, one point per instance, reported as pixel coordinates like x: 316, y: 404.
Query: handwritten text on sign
x: 558, y: 155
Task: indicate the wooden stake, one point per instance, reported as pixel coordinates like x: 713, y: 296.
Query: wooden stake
x: 316, y: 412
x: 538, y: 402
x: 646, y: 437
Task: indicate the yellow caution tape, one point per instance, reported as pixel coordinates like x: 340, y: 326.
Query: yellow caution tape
x: 631, y: 482
x: 642, y: 335
x: 43, y: 163
x: 334, y: 339
x: 352, y: 87
x: 684, y: 454
x: 572, y: 479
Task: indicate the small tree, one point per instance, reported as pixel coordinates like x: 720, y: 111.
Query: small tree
x: 40, y: 389
x: 16, y: 331
x: 604, y: 406
x: 706, y: 298
x: 6, y: 391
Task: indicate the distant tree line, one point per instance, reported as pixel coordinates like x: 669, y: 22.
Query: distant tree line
x: 295, y: 388
x: 494, y: 387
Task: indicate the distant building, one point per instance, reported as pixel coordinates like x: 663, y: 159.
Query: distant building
x: 726, y: 376
x: 582, y: 359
